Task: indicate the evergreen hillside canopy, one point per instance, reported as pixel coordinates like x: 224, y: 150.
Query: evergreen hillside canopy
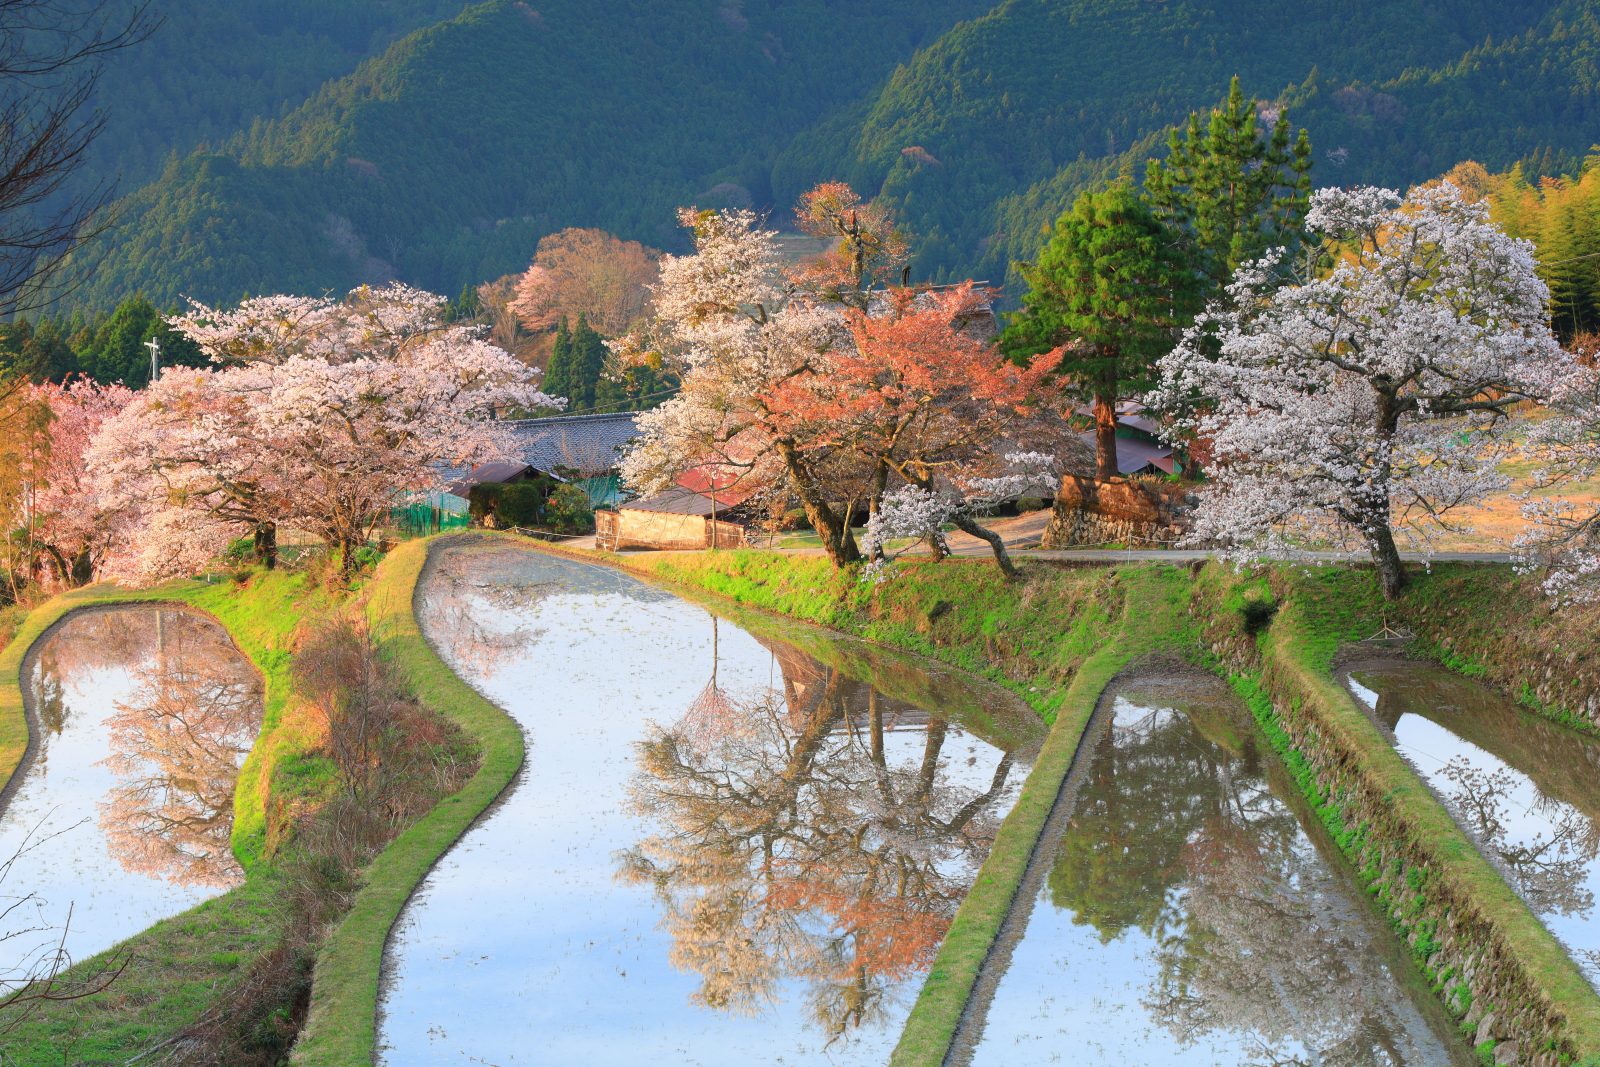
x: 443, y: 158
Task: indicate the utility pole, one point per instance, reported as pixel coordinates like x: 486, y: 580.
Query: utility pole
x: 155, y: 358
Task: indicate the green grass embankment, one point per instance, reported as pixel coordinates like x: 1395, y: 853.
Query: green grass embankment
x: 1472, y: 937
x: 341, y: 1030
x: 1152, y: 618
x: 1483, y: 621
x: 183, y: 963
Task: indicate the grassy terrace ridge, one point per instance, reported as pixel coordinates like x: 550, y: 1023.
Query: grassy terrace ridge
x: 1152, y: 618
x: 342, y: 1026
x: 186, y: 959
x: 1277, y: 634
x: 1298, y: 653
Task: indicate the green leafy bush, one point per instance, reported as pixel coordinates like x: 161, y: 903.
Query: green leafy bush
x: 568, y: 511
x: 505, y: 504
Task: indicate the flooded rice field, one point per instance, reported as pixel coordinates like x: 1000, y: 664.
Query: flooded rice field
x: 1528, y: 791
x: 123, y: 814
x: 734, y: 842
x: 1185, y: 914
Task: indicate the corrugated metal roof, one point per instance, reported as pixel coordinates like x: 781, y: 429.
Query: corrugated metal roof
x: 486, y: 472
x: 676, y: 501
x: 1134, y: 455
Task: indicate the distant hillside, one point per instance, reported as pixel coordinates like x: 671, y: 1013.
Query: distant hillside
x: 212, y: 68
x: 984, y: 136
x: 444, y: 159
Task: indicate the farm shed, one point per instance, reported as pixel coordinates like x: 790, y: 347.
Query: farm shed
x: 678, y: 518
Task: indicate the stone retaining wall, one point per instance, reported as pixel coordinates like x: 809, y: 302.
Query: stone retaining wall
x: 1121, y: 511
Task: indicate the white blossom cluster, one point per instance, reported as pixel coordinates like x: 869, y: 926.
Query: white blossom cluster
x: 1362, y: 403
x: 921, y: 514
x: 724, y: 320
x: 1563, y: 535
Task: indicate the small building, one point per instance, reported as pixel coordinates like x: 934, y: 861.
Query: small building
x: 1140, y: 449
x: 581, y: 450
x: 689, y: 515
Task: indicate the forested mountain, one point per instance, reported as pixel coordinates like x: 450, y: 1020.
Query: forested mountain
x: 212, y: 69
x: 443, y: 158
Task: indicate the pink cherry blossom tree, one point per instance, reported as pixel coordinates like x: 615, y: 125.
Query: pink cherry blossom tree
x: 320, y: 414
x: 1361, y: 403
x: 186, y: 462
x: 73, y: 526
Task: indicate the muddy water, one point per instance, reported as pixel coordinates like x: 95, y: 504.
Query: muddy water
x: 730, y: 845
x: 142, y: 717
x: 1187, y: 917
x: 1527, y: 790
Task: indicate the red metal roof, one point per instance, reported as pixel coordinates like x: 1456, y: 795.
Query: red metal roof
x: 717, y: 483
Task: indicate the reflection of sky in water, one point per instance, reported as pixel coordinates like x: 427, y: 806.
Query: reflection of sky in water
x: 1548, y: 845
x: 97, y: 672
x: 524, y: 945
x: 1188, y: 919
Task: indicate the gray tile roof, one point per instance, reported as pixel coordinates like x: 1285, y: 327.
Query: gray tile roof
x: 1134, y: 455
x: 587, y: 444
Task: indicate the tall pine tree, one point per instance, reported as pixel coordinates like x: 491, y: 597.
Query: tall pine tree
x: 1228, y: 192
x: 1112, y: 284
x: 558, y: 377
x: 588, y: 362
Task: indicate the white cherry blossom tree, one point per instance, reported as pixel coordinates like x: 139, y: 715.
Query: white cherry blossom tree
x: 728, y: 320
x: 1563, y: 534
x: 1358, y: 402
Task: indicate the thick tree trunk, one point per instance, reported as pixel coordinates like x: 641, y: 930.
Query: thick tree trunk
x: 1105, y: 436
x: 996, y: 542
x: 837, y: 540
x: 1391, y: 570
x: 266, y: 546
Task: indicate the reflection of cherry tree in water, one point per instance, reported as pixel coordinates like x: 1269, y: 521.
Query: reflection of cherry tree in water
x: 455, y: 602
x: 176, y: 746
x: 714, y: 713
x: 1550, y: 872
x: 793, y: 847
x: 88, y: 642
x: 1182, y: 840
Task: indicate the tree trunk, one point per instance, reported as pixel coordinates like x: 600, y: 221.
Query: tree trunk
x: 1391, y: 571
x: 837, y: 540
x: 1105, y: 436
x: 266, y: 537
x: 967, y: 526
x: 347, y: 558
x: 1376, y: 528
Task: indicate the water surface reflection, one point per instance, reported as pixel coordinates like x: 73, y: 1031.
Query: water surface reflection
x: 724, y: 849
x: 124, y: 815
x: 1527, y: 790
x: 1188, y: 918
